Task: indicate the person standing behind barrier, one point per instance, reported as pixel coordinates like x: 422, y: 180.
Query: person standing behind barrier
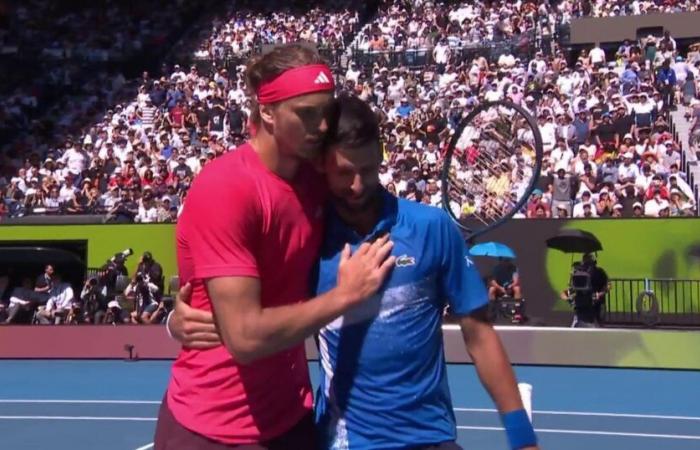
x: 588, y: 299
x: 666, y: 82
x: 561, y: 188
x: 44, y: 284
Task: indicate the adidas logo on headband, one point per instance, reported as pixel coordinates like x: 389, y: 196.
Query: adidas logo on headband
x: 321, y: 79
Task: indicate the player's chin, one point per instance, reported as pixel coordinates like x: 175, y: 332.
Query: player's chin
x: 356, y: 203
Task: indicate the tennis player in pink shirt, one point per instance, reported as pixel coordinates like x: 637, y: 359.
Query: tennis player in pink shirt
x: 247, y: 240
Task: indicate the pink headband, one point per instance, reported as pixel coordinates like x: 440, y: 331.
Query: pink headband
x: 295, y: 82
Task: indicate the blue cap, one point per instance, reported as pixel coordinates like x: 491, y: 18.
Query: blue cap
x: 537, y: 192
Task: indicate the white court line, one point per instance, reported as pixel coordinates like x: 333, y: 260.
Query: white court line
x: 594, y: 432
x: 461, y: 427
x: 129, y: 419
x: 78, y: 402
x: 543, y: 412
x: 146, y: 447
x: 595, y: 414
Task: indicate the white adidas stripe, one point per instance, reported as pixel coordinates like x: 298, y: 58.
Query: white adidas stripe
x: 321, y: 79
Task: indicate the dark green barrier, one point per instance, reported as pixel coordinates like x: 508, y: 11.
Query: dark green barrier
x: 633, y: 249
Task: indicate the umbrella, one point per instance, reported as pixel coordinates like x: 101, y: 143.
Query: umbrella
x: 492, y: 249
x: 575, y: 241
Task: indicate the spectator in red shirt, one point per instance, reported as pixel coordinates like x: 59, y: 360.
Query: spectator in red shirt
x: 657, y: 184
x: 536, y: 202
x: 176, y: 117
x: 131, y: 178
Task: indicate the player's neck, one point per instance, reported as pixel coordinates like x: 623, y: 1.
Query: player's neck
x: 362, y: 221
x: 267, y: 149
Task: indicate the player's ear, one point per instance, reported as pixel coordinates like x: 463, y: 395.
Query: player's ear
x: 267, y: 114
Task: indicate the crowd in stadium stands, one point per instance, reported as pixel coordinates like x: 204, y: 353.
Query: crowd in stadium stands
x: 445, y: 27
x: 612, y: 8
x: 246, y: 30
x: 108, y: 32
x: 608, y: 150
x: 67, y: 61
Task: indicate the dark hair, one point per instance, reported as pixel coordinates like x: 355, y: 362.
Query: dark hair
x: 352, y: 124
x: 272, y: 64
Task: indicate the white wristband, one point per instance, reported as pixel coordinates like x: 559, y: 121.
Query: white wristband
x: 167, y: 324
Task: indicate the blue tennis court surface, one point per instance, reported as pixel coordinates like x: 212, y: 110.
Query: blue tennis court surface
x: 110, y: 405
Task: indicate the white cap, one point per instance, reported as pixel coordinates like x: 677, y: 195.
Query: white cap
x: 637, y: 205
x: 114, y: 304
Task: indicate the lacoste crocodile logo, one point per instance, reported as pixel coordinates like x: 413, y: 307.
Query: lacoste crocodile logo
x: 405, y: 261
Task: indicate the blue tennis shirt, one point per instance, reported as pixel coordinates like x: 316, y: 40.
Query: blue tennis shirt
x: 384, y: 380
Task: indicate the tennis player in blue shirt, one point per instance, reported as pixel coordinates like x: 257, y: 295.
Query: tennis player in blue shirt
x: 384, y: 378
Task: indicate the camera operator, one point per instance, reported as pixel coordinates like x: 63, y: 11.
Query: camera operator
x: 144, y: 295
x: 587, y: 289
x: 161, y: 313
x: 93, y: 302
x: 112, y: 269
x: 151, y: 268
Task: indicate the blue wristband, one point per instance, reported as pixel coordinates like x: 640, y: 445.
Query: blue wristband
x: 519, y: 429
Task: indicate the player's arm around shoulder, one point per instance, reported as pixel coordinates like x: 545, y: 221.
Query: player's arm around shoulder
x: 249, y: 331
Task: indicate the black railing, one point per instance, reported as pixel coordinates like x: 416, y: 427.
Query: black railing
x: 685, y: 165
x: 653, y: 302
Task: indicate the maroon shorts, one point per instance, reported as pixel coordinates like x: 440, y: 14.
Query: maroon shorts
x: 170, y: 435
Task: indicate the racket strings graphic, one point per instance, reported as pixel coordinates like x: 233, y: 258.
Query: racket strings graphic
x: 491, y: 166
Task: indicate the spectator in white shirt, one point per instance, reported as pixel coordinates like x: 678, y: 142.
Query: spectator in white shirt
x: 561, y: 154
x: 148, y: 211
x: 67, y: 193
x: 655, y: 205
x: 597, y: 56
x: 441, y: 54
x: 353, y: 73
x: 59, y: 304
x: 579, y: 163
x: 74, y: 159
x: 585, y: 209
x: 628, y: 172
x: 548, y: 130
x: 52, y: 202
